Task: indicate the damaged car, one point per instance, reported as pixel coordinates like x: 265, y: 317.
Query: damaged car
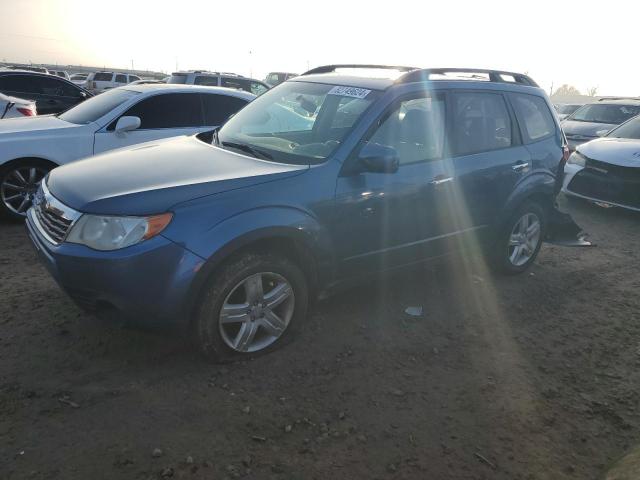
x: 607, y: 170
x: 230, y: 234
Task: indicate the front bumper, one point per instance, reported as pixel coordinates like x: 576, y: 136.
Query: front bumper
x: 607, y: 184
x: 148, y: 283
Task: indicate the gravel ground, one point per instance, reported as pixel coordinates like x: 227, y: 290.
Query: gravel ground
x: 533, y: 377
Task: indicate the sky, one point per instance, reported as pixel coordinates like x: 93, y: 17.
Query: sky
x: 580, y: 43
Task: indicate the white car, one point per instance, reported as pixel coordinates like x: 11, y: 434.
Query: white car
x: 607, y: 170
x: 12, y: 107
x: 125, y: 116
x: 98, y: 82
x: 79, y: 78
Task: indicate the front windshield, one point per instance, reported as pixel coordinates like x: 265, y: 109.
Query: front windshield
x: 630, y: 129
x: 297, y: 122
x: 95, y: 107
x: 605, y: 113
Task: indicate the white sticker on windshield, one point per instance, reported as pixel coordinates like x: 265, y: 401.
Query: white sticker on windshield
x: 349, y: 92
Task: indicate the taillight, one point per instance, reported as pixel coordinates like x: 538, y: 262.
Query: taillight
x: 26, y: 111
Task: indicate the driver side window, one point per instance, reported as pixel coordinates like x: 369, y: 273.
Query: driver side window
x: 415, y: 129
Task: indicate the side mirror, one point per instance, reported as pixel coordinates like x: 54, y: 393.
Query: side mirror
x: 127, y: 124
x: 377, y: 158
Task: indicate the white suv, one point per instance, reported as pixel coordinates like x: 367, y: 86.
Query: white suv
x: 219, y: 79
x: 98, y: 82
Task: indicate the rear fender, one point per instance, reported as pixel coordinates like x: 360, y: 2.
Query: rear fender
x: 561, y: 229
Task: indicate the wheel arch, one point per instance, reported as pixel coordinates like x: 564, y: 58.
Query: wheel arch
x: 16, y: 161
x: 296, y: 245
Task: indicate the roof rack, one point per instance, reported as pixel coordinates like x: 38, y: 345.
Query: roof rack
x: 333, y: 68
x: 414, y: 74
x: 494, y: 75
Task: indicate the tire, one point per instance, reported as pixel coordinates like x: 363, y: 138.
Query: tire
x: 17, y: 189
x: 503, y: 256
x: 247, y: 330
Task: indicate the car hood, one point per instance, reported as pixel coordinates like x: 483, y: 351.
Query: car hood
x: 23, y: 125
x: 624, y: 152
x: 153, y: 177
x: 586, y: 129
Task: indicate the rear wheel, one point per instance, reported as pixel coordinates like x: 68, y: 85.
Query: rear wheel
x: 18, y: 184
x: 253, y: 304
x: 520, y: 239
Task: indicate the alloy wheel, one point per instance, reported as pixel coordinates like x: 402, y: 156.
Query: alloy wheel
x: 256, y: 312
x: 19, y: 186
x: 524, y: 239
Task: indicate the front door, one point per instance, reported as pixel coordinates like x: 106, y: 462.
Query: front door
x: 391, y: 219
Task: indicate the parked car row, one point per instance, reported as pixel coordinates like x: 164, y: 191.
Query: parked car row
x: 327, y: 179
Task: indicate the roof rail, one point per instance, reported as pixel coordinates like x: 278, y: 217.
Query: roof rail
x: 602, y: 99
x: 333, y: 68
x: 494, y: 75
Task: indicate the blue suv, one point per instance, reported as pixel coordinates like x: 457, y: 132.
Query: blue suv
x: 339, y: 174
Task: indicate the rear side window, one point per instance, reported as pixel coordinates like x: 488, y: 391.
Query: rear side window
x: 206, y: 81
x: 481, y: 123
x: 19, y: 83
x: 121, y: 79
x: 102, y: 77
x: 218, y: 108
x: 171, y: 110
x: 534, y: 116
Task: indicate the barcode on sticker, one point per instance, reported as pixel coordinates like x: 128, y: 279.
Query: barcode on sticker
x: 349, y: 92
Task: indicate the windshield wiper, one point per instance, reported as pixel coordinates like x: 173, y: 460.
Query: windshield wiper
x: 248, y: 149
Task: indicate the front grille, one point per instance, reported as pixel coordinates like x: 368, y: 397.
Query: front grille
x: 54, y: 225
x: 51, y: 217
x: 608, y: 183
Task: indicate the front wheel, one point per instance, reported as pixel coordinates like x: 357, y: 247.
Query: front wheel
x: 18, y: 184
x: 252, y: 305
x: 520, y: 239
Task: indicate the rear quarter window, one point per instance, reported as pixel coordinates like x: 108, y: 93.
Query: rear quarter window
x: 534, y: 117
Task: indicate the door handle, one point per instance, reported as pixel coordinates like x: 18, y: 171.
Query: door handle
x: 520, y: 166
x: 440, y: 179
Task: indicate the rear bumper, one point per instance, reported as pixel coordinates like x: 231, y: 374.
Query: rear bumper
x: 148, y: 283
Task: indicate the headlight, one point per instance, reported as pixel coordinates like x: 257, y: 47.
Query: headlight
x: 111, y: 233
x: 577, y: 158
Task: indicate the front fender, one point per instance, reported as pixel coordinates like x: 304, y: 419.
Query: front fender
x: 267, y: 223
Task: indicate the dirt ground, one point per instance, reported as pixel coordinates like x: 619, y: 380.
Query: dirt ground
x: 532, y: 377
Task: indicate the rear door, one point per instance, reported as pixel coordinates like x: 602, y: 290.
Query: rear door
x: 487, y: 156
x: 161, y: 116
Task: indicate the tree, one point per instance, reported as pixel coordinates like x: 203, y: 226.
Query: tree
x: 592, y: 92
x: 567, y: 90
